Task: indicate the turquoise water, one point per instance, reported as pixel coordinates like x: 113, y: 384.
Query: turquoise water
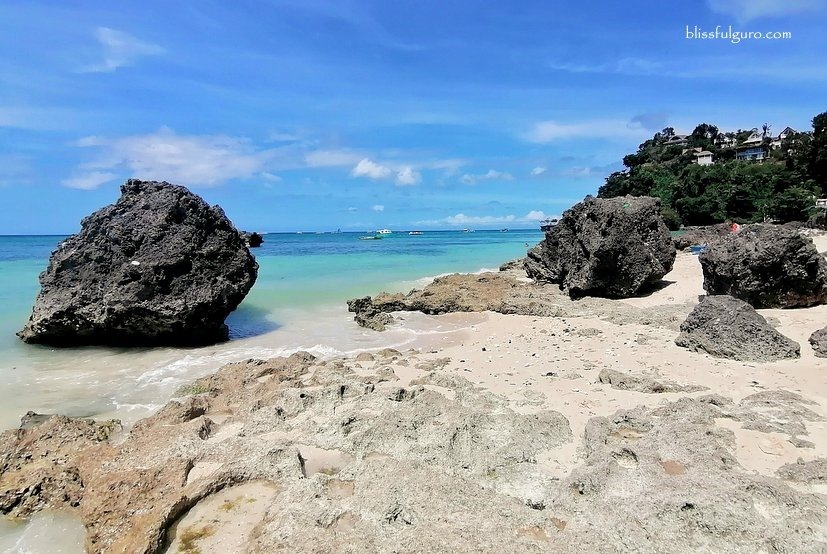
x: 298, y: 302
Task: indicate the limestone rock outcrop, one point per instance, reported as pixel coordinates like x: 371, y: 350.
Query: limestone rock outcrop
x: 160, y: 266
x: 608, y: 247
x: 766, y: 266
x: 726, y: 327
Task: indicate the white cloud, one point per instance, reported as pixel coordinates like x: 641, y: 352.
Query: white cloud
x: 462, y: 219
x: 403, y: 175
x: 89, y: 181
x: 747, y: 10
x: 120, y: 49
x: 352, y: 209
x: 407, y: 177
x: 195, y: 160
x: 536, y: 215
x: 371, y: 170
x: 378, y: 208
x: 538, y: 170
x: 490, y: 175
x: 551, y: 131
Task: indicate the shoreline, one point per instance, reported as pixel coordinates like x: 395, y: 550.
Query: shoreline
x: 583, y: 368
x: 324, y: 329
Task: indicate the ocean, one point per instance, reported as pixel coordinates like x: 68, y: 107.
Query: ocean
x: 297, y: 303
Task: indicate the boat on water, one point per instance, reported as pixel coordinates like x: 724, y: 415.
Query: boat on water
x: 416, y: 233
x: 384, y: 232
x: 503, y: 230
x: 467, y: 230
x: 371, y: 237
x: 549, y: 224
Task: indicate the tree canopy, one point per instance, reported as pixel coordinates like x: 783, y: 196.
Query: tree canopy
x: 782, y: 188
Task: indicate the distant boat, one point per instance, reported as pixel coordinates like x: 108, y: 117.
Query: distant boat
x: 416, y: 233
x: 384, y: 232
x: 503, y: 230
x: 467, y: 230
x: 371, y: 237
x: 548, y: 224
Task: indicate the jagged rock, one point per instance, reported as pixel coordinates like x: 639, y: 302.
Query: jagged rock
x: 818, y: 340
x: 39, y: 466
x: 705, y: 234
x: 766, y: 266
x: 726, y: 327
x: 542, y: 263
x: 346, y: 466
x: 610, y: 247
x: 513, y: 264
x: 642, y: 383
x: 368, y: 315
x: 502, y: 292
x: 252, y: 239
x: 160, y: 266
x: 814, y: 471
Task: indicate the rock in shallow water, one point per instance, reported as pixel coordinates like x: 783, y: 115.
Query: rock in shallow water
x: 766, y: 266
x: 160, y: 266
x: 612, y: 247
x: 726, y: 327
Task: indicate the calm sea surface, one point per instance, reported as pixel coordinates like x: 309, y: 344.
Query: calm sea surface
x: 297, y: 303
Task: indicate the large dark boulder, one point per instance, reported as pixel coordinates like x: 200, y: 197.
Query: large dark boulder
x: 726, y: 327
x: 611, y: 247
x: 160, y: 266
x: 767, y: 266
x: 818, y: 340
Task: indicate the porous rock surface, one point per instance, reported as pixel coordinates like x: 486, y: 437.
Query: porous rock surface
x: 608, y: 247
x: 160, y: 266
x: 504, y: 293
x: 726, y: 327
x: 767, y: 266
x: 356, y: 460
x: 818, y: 340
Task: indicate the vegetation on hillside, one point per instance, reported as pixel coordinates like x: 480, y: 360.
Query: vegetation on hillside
x: 782, y: 188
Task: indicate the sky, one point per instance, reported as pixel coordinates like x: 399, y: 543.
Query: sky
x: 325, y: 114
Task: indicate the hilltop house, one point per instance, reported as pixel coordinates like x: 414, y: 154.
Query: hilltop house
x: 702, y: 157
x: 752, y: 149
x: 676, y: 140
x: 755, y: 148
x: 776, y: 142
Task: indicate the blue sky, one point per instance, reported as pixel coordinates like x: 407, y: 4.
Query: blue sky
x: 317, y: 115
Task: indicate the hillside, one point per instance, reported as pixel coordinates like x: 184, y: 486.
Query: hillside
x: 712, y: 176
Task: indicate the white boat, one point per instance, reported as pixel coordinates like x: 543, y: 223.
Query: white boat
x: 416, y: 233
x: 384, y: 232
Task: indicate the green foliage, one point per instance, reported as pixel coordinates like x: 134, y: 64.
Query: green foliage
x: 671, y: 218
x: 782, y: 188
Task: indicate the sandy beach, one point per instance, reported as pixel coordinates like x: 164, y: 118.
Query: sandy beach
x: 554, y: 363
x: 591, y: 430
